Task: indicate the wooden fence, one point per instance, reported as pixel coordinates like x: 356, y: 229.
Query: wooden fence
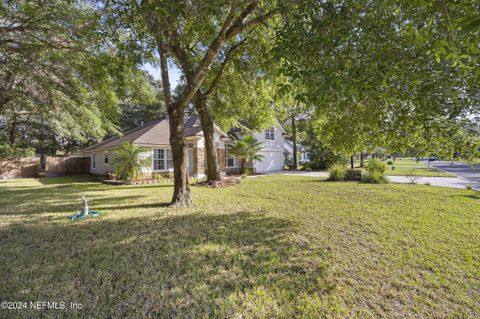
x: 58, y: 166
x: 22, y: 167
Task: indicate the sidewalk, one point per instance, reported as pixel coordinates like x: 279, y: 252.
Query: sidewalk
x: 451, y: 182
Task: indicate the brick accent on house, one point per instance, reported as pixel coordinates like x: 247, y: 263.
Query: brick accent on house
x: 198, y: 161
x: 221, y: 158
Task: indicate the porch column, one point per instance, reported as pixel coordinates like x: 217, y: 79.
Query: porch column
x: 221, y: 153
x: 198, y: 161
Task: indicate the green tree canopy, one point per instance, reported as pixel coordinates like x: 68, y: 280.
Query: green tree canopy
x: 60, y: 78
x: 394, y: 74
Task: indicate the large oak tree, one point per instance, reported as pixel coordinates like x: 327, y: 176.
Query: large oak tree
x: 205, y: 28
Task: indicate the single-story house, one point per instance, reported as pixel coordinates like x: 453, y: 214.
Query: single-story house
x: 301, y: 152
x: 154, y: 137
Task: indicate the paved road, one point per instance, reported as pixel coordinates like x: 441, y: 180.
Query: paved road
x: 468, y: 172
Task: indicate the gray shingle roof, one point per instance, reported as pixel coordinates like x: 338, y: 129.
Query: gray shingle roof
x: 156, y: 132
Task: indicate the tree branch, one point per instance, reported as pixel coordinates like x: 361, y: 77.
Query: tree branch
x: 239, y: 27
x: 206, y: 63
x: 223, y: 65
x: 162, y: 51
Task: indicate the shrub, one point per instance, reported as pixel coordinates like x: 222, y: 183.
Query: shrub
x: 110, y: 175
x: 168, y: 175
x: 353, y: 175
x: 414, y: 179
x: 247, y: 171
x: 288, y: 163
x: 389, y: 162
x: 469, y: 187
x: 375, y: 172
x: 11, y: 152
x: 337, y: 172
x: 321, y: 158
x: 158, y: 176
x: 129, y: 161
x: 306, y: 165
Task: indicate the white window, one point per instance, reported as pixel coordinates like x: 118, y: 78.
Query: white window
x: 93, y: 160
x: 105, y: 158
x: 270, y: 134
x: 162, y: 159
x: 229, y: 160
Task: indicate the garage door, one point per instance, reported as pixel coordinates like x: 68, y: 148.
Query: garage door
x: 271, y: 161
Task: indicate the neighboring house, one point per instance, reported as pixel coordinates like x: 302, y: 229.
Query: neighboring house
x: 154, y: 137
x: 301, y: 152
x: 272, y: 140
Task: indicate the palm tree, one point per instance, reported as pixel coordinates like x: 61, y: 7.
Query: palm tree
x: 128, y: 161
x: 247, y: 149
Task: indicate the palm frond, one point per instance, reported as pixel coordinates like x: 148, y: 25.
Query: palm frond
x: 128, y: 161
x: 247, y: 148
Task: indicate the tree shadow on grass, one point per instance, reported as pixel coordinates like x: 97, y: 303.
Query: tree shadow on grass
x: 133, y: 206
x: 195, y: 265
x: 69, y: 179
x: 473, y: 196
x: 15, y: 200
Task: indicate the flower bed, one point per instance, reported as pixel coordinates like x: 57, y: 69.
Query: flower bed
x: 134, y: 182
x: 224, y: 182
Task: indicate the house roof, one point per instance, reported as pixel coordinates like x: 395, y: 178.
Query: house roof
x: 288, y: 147
x: 156, y: 132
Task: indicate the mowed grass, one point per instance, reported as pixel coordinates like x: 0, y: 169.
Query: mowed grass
x: 272, y: 247
x: 408, y: 162
x: 408, y: 166
x: 417, y: 171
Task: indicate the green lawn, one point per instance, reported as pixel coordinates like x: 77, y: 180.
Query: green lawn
x: 408, y: 162
x: 275, y: 246
x: 406, y: 166
x: 417, y: 171
x: 404, y: 162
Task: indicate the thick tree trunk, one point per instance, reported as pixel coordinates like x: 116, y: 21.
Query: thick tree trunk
x: 43, y: 160
x: 3, y: 102
x: 181, y: 191
x: 243, y: 163
x: 213, y: 169
x: 12, y: 132
x: 294, y: 140
x: 352, y: 166
x: 361, y: 159
x: 54, y: 146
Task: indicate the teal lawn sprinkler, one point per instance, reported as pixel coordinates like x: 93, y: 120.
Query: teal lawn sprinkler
x: 86, y: 211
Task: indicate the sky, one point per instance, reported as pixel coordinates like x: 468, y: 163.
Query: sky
x: 173, y: 72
